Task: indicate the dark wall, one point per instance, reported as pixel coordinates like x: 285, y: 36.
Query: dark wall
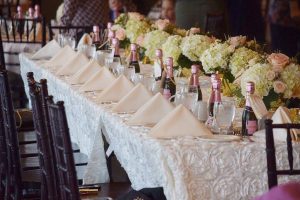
x: 49, y: 8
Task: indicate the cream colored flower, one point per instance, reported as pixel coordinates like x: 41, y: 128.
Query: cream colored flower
x: 162, y: 24
x: 279, y: 87
x: 140, y: 40
x: 237, y: 40
x: 271, y: 75
x: 121, y: 34
x: 136, y: 16
x: 278, y: 61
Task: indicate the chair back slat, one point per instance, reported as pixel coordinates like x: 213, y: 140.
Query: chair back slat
x: 46, y: 157
x: 65, y: 164
x: 3, y: 157
x: 13, y: 189
x: 290, y: 149
x: 271, y: 152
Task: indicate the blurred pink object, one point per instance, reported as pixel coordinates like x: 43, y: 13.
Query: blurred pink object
x: 289, y: 191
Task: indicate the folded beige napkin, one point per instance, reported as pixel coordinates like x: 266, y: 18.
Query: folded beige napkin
x: 130, y: 103
x: 101, y: 80
x: 281, y: 116
x: 86, y: 72
x: 258, y: 106
x: 73, y: 65
x: 85, y: 40
x: 178, y: 123
x: 48, y: 51
x: 117, y: 90
x: 60, y: 58
x: 151, y: 112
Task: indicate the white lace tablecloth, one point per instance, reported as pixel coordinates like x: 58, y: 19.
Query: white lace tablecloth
x: 187, y: 168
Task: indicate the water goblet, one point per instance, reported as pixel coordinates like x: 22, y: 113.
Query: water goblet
x: 130, y: 73
x: 224, y: 115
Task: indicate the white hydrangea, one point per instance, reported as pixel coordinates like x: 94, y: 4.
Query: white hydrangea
x: 216, y: 56
x: 243, y: 58
x: 154, y: 40
x: 135, y: 28
x: 171, y: 48
x: 194, y: 45
x: 258, y: 75
x: 291, y: 77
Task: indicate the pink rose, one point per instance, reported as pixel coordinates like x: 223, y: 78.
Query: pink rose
x: 271, y: 75
x: 162, y: 24
x: 193, y: 31
x: 279, y: 87
x: 278, y: 61
x: 120, y: 34
x: 140, y: 40
x: 237, y: 40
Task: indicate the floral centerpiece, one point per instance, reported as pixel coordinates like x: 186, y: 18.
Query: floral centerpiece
x: 171, y: 48
x: 276, y: 80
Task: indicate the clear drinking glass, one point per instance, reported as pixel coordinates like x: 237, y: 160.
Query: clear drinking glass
x: 224, y: 115
x: 190, y: 97
x: 130, y: 73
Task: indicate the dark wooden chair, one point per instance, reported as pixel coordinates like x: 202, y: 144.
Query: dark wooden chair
x: 22, y: 31
x: 65, y: 167
x: 8, y: 7
x: 273, y: 172
x: 215, y: 24
x: 48, y: 184
x: 75, y: 31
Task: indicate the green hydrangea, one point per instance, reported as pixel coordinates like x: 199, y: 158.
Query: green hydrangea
x: 154, y: 40
x: 171, y: 48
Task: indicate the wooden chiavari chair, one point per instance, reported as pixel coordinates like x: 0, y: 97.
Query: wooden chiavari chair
x: 273, y: 172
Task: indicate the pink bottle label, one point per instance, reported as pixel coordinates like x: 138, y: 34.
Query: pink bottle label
x: 251, y: 127
x: 167, y: 94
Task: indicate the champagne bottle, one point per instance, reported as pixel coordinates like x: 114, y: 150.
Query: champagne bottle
x: 249, y: 120
x: 194, y: 80
x: 169, y: 88
x: 20, y: 22
x: 158, y: 65
x: 211, y: 102
x: 116, y: 47
x: 96, y: 36
x: 133, y: 60
x: 30, y: 13
x: 37, y: 11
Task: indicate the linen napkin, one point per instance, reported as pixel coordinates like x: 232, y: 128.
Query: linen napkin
x: 60, y: 58
x: 178, y: 123
x: 48, y: 51
x: 73, y: 65
x: 281, y: 116
x: 151, y: 112
x: 258, y: 106
x: 85, y: 40
x: 101, y: 80
x: 85, y: 72
x: 133, y: 100
x: 117, y: 90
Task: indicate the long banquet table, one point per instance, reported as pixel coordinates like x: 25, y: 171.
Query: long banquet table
x: 187, y: 168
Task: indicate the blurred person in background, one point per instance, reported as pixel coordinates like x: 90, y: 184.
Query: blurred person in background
x: 84, y: 13
x: 168, y: 10
x: 192, y: 13
x: 163, y: 9
x: 116, y: 8
x: 284, y: 21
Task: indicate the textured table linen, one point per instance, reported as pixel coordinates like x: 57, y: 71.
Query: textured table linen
x: 187, y: 168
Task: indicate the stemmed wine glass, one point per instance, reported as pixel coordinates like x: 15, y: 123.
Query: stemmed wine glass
x: 224, y: 115
x: 190, y: 97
